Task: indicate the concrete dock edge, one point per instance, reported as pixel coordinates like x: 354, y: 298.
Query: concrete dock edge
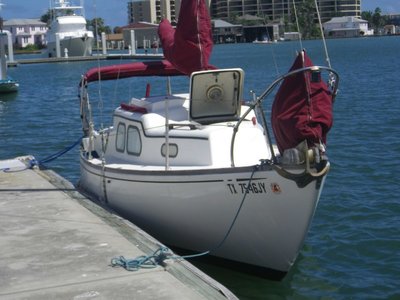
x: 57, y: 244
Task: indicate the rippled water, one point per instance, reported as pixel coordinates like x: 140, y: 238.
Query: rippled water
x: 353, y: 247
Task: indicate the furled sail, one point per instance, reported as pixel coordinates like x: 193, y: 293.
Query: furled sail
x: 189, y: 46
x: 137, y: 69
x: 302, y: 109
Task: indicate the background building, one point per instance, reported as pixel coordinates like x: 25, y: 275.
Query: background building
x: 231, y: 9
x: 224, y: 32
x: 393, y: 19
x: 145, y: 34
x: 261, y: 19
x: 152, y: 11
x: 346, y: 27
x: 339, y: 8
x: 274, y: 10
x: 26, y: 32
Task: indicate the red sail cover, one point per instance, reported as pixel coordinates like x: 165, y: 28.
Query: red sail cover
x: 150, y: 68
x: 189, y: 46
x: 302, y: 109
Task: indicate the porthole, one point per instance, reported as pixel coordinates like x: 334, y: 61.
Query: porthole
x: 172, y: 149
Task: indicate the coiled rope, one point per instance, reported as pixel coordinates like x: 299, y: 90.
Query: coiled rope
x: 143, y: 261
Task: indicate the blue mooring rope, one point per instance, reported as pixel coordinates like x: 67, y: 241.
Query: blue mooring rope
x: 33, y: 162
x: 58, y: 154
x: 163, y: 253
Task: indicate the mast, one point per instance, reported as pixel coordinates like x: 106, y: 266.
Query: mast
x: 3, y: 71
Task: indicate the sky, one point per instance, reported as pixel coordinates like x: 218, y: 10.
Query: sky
x: 114, y: 12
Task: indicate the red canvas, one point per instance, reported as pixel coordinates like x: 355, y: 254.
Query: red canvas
x: 150, y: 68
x: 302, y: 109
x: 189, y: 46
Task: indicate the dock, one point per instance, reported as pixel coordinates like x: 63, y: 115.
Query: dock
x: 57, y: 244
x: 41, y: 60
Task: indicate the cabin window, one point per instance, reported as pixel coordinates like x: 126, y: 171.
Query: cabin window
x: 120, y: 140
x: 134, y: 143
x: 173, y: 150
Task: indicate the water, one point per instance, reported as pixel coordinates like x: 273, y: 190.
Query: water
x: 353, y: 247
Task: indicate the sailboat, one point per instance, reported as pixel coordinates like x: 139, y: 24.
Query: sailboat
x: 7, y: 84
x: 199, y: 170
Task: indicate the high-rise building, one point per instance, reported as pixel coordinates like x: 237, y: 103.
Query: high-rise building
x: 274, y: 10
x: 229, y: 9
x: 339, y: 8
x: 153, y: 11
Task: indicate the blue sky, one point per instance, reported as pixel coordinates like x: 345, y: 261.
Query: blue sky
x: 114, y: 12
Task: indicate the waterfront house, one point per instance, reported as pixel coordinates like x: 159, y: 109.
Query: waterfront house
x: 346, y: 27
x: 115, y: 41
x: 224, y: 32
x: 26, y: 32
x: 146, y: 34
x: 389, y: 29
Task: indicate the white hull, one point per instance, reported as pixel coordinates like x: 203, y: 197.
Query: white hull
x: 76, y: 46
x: 194, y: 210
x: 262, y: 42
x: 68, y: 28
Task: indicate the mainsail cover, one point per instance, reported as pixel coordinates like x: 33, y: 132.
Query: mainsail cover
x: 138, y: 69
x: 302, y: 109
x: 189, y: 46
